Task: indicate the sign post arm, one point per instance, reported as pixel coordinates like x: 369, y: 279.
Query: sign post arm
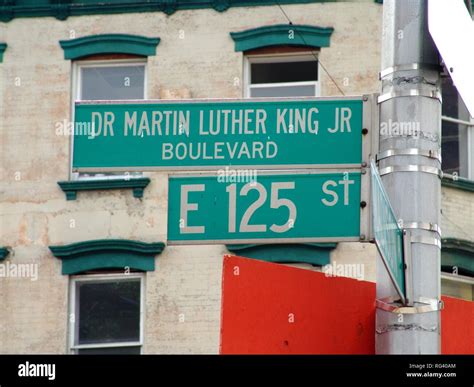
x: 408, y: 268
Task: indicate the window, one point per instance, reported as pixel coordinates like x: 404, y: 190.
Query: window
x: 109, y: 80
x: 457, y: 134
x: 106, y: 314
x: 284, y: 75
x: 116, y: 82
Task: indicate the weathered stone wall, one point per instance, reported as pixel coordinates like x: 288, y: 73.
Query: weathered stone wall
x: 457, y: 213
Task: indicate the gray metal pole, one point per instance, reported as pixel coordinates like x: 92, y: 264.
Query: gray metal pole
x: 410, y: 107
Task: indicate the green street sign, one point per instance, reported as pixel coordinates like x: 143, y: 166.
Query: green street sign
x: 211, y: 134
x: 387, y: 233
x: 272, y: 207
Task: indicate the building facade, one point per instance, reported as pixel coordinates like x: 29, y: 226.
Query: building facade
x: 85, y: 264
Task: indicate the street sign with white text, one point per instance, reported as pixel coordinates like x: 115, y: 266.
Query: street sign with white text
x: 211, y: 134
x: 305, y: 206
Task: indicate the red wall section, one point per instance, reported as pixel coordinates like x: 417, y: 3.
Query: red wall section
x: 331, y: 315
x: 457, y: 326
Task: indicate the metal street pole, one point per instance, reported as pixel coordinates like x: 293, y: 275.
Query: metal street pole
x: 409, y: 163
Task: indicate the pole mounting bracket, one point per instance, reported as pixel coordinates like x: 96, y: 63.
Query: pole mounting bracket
x: 435, y: 94
x: 430, y: 153
x: 412, y: 168
x: 408, y: 67
x: 422, y: 305
x: 427, y: 226
x: 426, y: 241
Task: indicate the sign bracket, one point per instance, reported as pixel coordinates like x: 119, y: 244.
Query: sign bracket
x: 422, y: 305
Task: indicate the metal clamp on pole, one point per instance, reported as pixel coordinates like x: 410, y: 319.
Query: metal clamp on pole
x: 412, y: 168
x: 435, y: 94
x: 432, y: 154
x: 426, y: 240
x: 408, y: 67
x: 427, y: 226
x: 422, y: 305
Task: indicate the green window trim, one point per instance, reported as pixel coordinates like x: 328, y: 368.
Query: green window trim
x: 71, y: 187
x: 459, y: 183
x: 4, y: 251
x: 109, y: 44
x: 282, y: 35
x: 316, y: 254
x: 3, y: 47
x: 62, y: 9
x: 107, y: 254
x: 457, y: 253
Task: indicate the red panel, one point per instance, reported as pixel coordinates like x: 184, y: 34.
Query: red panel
x: 260, y: 301
x: 331, y: 315
x: 457, y: 326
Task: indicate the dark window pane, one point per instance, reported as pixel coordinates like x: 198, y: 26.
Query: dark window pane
x: 109, y: 311
x: 116, y: 82
x: 449, y: 130
x: 283, y: 91
x: 284, y: 72
x: 110, y: 351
